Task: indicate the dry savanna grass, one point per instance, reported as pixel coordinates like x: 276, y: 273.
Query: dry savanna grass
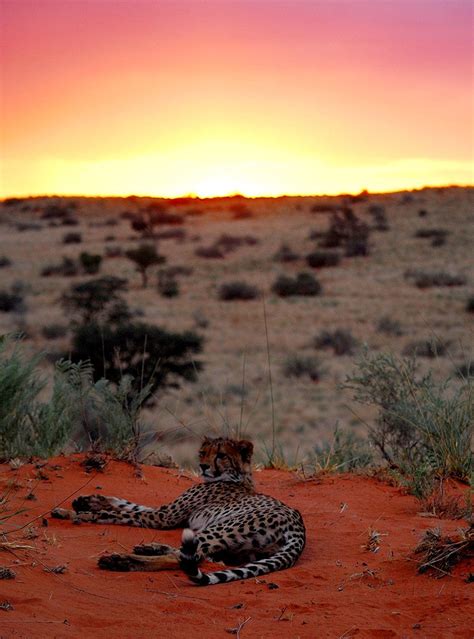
x: 359, y: 295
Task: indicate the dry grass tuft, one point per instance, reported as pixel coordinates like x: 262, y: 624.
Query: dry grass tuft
x: 440, y: 554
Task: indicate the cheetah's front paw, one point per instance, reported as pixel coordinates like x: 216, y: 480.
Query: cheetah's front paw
x: 93, y: 504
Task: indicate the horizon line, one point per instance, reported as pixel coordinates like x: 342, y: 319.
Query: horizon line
x: 193, y: 196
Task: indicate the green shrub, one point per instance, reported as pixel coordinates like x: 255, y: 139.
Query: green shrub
x: 345, y: 453
x: 231, y: 291
x: 323, y: 259
x: 423, y: 428
x: 103, y: 416
x: 304, y: 284
x: 340, y: 340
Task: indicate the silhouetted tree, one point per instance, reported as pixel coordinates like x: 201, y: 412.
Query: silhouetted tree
x: 144, y: 256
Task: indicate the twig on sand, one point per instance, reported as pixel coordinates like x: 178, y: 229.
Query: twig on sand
x: 236, y: 631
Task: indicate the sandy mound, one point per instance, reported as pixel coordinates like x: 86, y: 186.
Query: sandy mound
x: 338, y: 588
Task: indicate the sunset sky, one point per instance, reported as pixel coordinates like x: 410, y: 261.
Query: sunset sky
x: 261, y: 97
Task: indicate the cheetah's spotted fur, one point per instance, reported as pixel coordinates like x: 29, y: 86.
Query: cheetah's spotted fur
x: 225, y: 519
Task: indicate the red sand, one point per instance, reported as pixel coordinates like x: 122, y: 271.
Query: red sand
x: 337, y: 589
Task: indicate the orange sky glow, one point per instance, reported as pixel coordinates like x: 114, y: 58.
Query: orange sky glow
x: 212, y: 97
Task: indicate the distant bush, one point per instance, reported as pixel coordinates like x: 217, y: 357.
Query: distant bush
x: 28, y: 226
x: 4, y: 261
x: 228, y: 243
x: 389, y: 326
x: 379, y: 217
x: 168, y: 285
x: 347, y: 231
x: 13, y: 201
x: 155, y: 214
x: 67, y: 268
x: 90, y: 263
x: 285, y: 254
x: 10, y: 301
x: 465, y: 370
x: 431, y: 233
x: 54, y: 331
x: 72, y: 238
x: 177, y: 270
x: 238, y: 291
x: 70, y: 221
x: 423, y: 429
x: 428, y: 279
x: 144, y: 257
x: 340, y: 340
x: 304, y: 284
x: 212, y: 252
x: 438, y: 241
x: 194, y: 212
x: 171, y: 234
x: 430, y: 348
x: 470, y: 305
x: 422, y: 213
x: 143, y: 351
x: 56, y: 212
x: 299, y: 366
x: 323, y: 259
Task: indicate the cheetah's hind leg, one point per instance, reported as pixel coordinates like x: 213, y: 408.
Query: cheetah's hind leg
x: 135, y: 563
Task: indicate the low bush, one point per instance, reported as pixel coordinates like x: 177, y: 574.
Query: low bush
x: 470, y: 305
x: 344, y: 453
x: 431, y: 233
x: 168, y: 285
x: 238, y: 291
x: 324, y: 208
x: 389, y: 326
x: 340, y: 340
x: 302, y: 366
x: 423, y: 428
x: 323, y: 259
x: 211, y: 252
x: 285, y: 254
x: 379, y: 217
x: 72, y: 238
x: 67, y: 268
x: 28, y: 226
x: 347, y: 231
x: 90, y: 262
x: 429, y: 279
x: 4, y: 261
x: 430, y: 348
x: 304, y: 284
x: 10, y: 301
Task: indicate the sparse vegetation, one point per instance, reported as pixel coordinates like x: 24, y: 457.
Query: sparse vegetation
x: 97, y: 300
x: 344, y: 453
x: 90, y: 263
x: 429, y: 279
x: 10, y: 301
x: 4, y: 261
x: 54, y: 331
x: 340, y: 340
x: 302, y: 366
x: 304, y: 284
x: 323, y: 259
x: 389, y: 326
x: 424, y: 428
x: 72, y: 238
x: 430, y: 348
x: 238, y: 290
x: 67, y: 268
x: 470, y: 305
x: 285, y: 254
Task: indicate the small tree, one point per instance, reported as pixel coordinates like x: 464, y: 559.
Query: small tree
x: 148, y: 353
x: 144, y: 256
x: 155, y: 214
x: 97, y: 299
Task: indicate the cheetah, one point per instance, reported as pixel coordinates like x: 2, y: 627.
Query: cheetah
x: 225, y: 519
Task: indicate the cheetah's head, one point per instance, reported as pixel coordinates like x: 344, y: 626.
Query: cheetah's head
x: 224, y: 459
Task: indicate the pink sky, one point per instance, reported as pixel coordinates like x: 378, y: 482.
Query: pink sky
x: 212, y: 97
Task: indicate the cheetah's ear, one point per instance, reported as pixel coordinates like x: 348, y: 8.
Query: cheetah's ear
x: 245, y: 449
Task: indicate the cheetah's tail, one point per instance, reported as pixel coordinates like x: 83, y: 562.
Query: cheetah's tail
x: 285, y: 557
